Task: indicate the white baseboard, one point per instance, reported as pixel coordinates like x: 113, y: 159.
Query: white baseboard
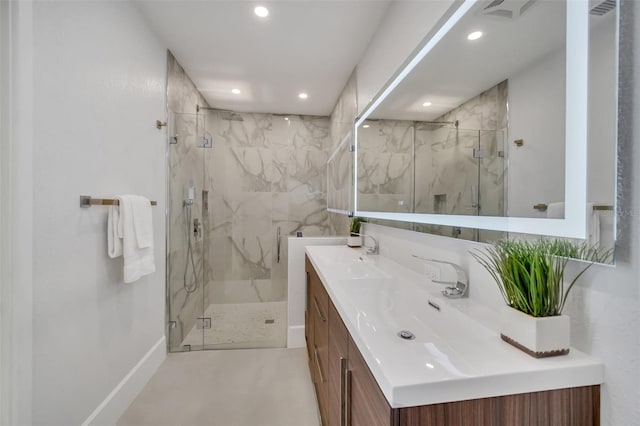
x: 115, y: 404
x: 295, y: 336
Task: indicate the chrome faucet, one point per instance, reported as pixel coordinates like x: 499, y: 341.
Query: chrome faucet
x: 369, y: 250
x: 454, y: 290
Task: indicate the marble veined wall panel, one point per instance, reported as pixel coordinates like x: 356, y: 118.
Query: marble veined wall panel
x: 267, y: 180
x: 385, y: 166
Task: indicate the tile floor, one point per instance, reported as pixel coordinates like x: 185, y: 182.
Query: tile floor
x: 242, y: 325
x: 249, y: 387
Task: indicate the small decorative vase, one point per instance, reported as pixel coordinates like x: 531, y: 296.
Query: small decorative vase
x: 354, y: 241
x: 539, y: 337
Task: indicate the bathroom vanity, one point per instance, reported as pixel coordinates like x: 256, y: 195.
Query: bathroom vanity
x: 448, y: 368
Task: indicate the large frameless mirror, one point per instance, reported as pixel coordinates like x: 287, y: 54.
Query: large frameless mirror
x: 504, y: 122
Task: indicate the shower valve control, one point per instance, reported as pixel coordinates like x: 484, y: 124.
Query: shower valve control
x: 196, y: 227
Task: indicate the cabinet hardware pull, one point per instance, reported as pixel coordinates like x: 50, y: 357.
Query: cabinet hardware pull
x: 308, y: 288
x: 343, y: 391
x: 322, y: 318
x: 347, y: 400
x: 315, y: 352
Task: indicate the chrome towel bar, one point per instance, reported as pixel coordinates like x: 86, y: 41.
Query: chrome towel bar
x: 597, y: 207
x: 86, y: 201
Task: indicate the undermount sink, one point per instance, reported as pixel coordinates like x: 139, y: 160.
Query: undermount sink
x: 386, y: 308
x: 360, y: 270
x: 349, y: 264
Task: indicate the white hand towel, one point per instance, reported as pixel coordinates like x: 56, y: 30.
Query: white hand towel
x: 114, y: 239
x: 555, y: 210
x: 142, y: 221
x: 137, y: 251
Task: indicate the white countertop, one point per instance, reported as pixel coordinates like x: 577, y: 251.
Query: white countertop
x: 457, y: 353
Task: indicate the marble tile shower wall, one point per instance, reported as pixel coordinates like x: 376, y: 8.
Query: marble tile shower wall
x: 385, y: 166
x: 263, y: 174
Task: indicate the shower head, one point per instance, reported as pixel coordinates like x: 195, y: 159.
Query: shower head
x: 230, y: 116
x: 225, y: 114
x: 433, y: 125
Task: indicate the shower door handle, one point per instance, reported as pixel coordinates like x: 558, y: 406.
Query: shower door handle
x: 278, y: 245
x: 474, y: 197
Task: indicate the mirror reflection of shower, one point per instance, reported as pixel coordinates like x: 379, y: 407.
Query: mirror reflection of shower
x: 189, y: 286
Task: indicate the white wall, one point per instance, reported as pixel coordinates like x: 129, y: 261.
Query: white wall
x: 17, y: 200
x: 536, y: 115
x: 98, y: 87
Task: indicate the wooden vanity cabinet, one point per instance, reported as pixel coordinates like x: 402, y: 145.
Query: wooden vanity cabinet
x: 338, y: 368
x: 348, y: 394
x: 366, y: 405
x: 318, y: 338
x: 308, y: 319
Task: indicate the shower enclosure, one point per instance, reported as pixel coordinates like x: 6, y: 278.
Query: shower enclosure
x: 239, y: 185
x: 460, y: 171
x: 223, y: 291
x: 432, y: 167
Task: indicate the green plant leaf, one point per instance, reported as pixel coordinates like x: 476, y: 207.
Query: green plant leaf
x: 530, y: 274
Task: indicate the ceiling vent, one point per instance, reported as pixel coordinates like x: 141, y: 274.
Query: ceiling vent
x: 509, y: 9
x: 603, y: 8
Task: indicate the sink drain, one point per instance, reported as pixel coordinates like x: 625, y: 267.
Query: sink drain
x: 406, y: 334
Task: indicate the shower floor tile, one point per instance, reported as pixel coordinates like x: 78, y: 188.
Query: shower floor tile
x: 242, y: 325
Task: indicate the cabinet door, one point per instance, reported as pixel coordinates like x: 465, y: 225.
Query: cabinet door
x: 367, y: 405
x: 308, y: 320
x: 320, y: 313
x: 338, y: 358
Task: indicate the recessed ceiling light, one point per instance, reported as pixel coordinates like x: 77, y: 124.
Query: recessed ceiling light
x: 235, y: 91
x: 474, y: 35
x: 303, y: 96
x: 261, y: 11
x: 286, y: 118
x: 366, y: 126
x: 427, y: 104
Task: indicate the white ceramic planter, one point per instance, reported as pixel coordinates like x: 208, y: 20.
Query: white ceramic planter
x: 354, y: 241
x: 539, y: 337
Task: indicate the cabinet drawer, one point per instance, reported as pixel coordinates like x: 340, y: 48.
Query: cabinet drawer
x: 319, y: 301
x: 368, y: 406
x: 338, y: 356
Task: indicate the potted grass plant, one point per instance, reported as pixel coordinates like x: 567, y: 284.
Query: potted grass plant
x: 355, y: 239
x: 531, y: 279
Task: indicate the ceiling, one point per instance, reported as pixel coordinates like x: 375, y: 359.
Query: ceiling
x: 308, y: 46
x: 458, y: 69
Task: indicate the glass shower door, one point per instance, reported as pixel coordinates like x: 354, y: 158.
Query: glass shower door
x: 492, y: 179
x: 185, y: 249
x: 244, y: 270
x: 234, y: 198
